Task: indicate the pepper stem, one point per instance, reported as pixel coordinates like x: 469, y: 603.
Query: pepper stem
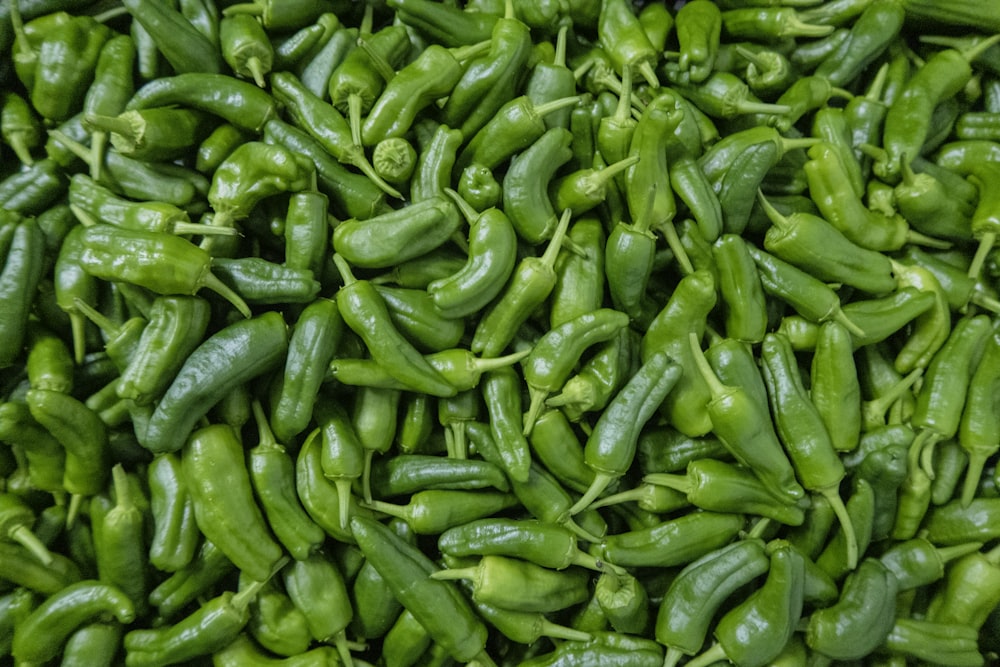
x: 356, y: 157
x: 366, y: 479
x: 973, y: 473
x: 265, y: 435
x: 114, y: 125
x: 947, y: 554
x: 986, y: 242
x: 535, y: 405
x: 346, y: 275
x: 484, y: 659
x: 249, y: 8
x: 626, y: 496
x: 649, y: 74
x: 123, y: 494
x: 552, y: 106
x: 917, y: 238
x: 773, y: 214
x: 671, y: 481
x: 17, y: 142
x: 715, y: 386
x: 463, y: 53
x: 256, y: 69
x: 392, y: 509
x: 850, y: 536
x: 27, y: 539
x: 840, y: 316
x: 713, y: 655
x: 212, y: 282
x: 455, y: 574
x: 98, y: 318
x: 343, y: 485
x: 354, y: 117
x: 977, y: 49
x: 550, y: 629
x: 674, y: 243
x: 75, y: 501
x: 597, y: 179
x: 78, y: 325
x: 242, y: 599
x: 796, y: 27
x: 98, y: 144
x: 601, y: 481
x: 203, y: 229
x: 552, y: 250
x: 580, y: 531
x: 456, y: 445
x: 470, y: 214
x: 483, y: 364
x: 672, y: 657
x: 82, y: 216
x: 73, y: 146
x: 750, y: 107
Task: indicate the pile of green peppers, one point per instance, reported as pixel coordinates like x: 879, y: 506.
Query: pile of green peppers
x: 531, y: 332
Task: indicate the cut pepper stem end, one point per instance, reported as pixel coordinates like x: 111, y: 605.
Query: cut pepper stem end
x: 27, y: 539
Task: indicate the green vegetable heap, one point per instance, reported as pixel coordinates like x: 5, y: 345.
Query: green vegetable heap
x: 500, y: 332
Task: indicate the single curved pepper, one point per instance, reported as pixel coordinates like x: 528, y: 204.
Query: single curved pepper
x: 41, y: 635
x: 525, y: 185
x: 140, y: 258
x: 672, y: 542
x: 213, y: 626
x: 769, y: 72
x: 611, y: 446
x: 66, y: 61
x: 722, y: 487
x: 443, y: 23
x: 259, y: 281
x: 217, y: 479
x: 545, y: 544
x: 156, y: 134
x: 406, y: 474
x: 435, y: 163
x: 491, y: 79
x: 741, y: 289
x: 180, y: 42
x: 430, y: 76
x: 820, y: 249
x: 93, y: 203
x: 531, y: 283
x: 403, y: 234
x: 46, y: 457
x: 275, y: 622
x: 870, y: 35
x: 553, y: 356
x: 81, y: 432
x: 272, y: 475
x: 931, y: 328
x: 803, y: 433
x: 365, y: 312
x: 439, y: 606
x: 19, y: 127
x: 491, y: 259
x: 245, y: 47
x: 938, y: 643
x: 49, y: 363
x: 686, y: 612
x: 945, y: 386
x: 433, y: 511
x: 212, y: 370
x: 317, y: 588
x: 861, y: 618
x: 604, y: 648
x: 620, y: 33
x: 176, y: 325
x: 835, y: 390
x: 756, y: 631
x: 698, y: 26
x: 19, y: 279
x: 175, y: 532
x: 624, y: 601
x: 541, y: 589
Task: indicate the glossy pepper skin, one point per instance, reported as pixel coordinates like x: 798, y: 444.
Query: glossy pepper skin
x: 210, y: 372
x: 685, y: 614
x: 42, y: 634
x: 861, y: 618
x: 436, y: 604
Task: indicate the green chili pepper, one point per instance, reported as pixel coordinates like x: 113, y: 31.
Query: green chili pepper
x: 722, y: 487
x: 16, y: 521
x: 611, y: 446
x: 176, y: 535
x: 438, y: 605
x: 620, y: 33
x: 531, y: 283
x: 435, y: 164
x: 66, y: 61
x: 146, y: 253
x: 213, y: 369
x: 772, y: 611
x: 819, y: 248
x: 489, y: 80
x: 42, y: 634
x: 741, y: 289
x: 318, y: 589
x: 18, y: 281
x: 45, y: 455
x: 405, y: 234
x: 861, y: 618
x: 275, y: 622
x: 443, y: 24
x: 245, y: 47
x: 692, y: 599
x: 119, y: 544
x: 182, y: 45
x: 525, y: 186
x: 430, y: 76
x: 678, y: 541
x: 19, y: 126
x: 49, y: 363
x: 552, y: 358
